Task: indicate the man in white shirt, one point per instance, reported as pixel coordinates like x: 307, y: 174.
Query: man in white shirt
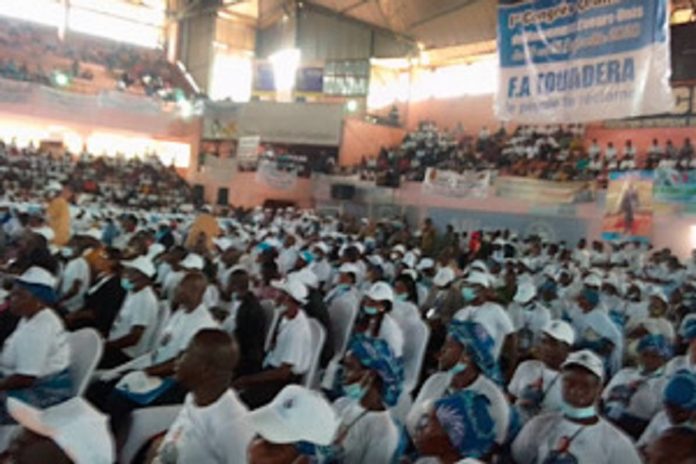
x: 76, y: 276
x: 594, y: 149
x: 578, y: 434
x: 133, y: 330
x: 213, y: 426
x: 291, y: 348
x: 610, y: 152
x: 529, y: 317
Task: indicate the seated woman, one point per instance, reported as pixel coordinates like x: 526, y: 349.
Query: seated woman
x: 372, y: 383
x: 458, y: 427
x: 35, y: 358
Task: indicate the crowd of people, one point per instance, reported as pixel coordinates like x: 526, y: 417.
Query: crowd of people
x: 103, y: 181
x: 286, y: 336
x: 26, y: 47
x: 555, y: 153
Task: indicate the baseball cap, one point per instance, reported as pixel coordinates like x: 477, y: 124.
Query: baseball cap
x: 444, y: 277
x: 593, y: 280
x: 75, y: 426
x: 349, y: 268
x: 293, y: 287
x: 425, y: 263
x: 561, y: 331
x: 525, y: 292
x: 381, y: 291
x: 192, y: 262
x: 478, y: 278
x: 141, y: 264
x: 586, y: 359
x: 296, y: 414
x: 36, y: 275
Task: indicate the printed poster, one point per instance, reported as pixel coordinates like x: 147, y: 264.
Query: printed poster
x: 629, y: 206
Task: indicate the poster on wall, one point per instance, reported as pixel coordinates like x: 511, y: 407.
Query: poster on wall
x: 469, y: 184
x: 672, y: 186
x: 628, y: 213
x: 269, y: 175
x: 248, y: 149
x: 577, y: 61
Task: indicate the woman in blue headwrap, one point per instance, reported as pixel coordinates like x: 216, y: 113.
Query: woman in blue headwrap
x: 459, y: 426
x: 34, y: 360
x: 633, y: 396
x: 687, y: 334
x: 373, y: 380
x: 467, y: 363
x: 679, y: 401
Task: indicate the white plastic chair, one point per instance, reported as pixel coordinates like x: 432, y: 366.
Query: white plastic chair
x: 416, y: 335
x: 145, y: 424
x: 342, y: 314
x: 86, y: 348
x: 318, y: 339
x: 163, y: 316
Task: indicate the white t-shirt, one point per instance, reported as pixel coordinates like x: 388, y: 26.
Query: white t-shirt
x: 171, y: 282
x: 679, y: 363
x: 630, y: 392
x: 215, y: 434
x: 534, y: 376
x: 495, y: 320
x: 138, y: 309
x: 181, y: 327
x: 76, y: 269
x: 38, y: 347
x: 293, y: 345
x: 372, y: 436
x: 529, y: 321
x: 655, y: 428
x: 600, y: 443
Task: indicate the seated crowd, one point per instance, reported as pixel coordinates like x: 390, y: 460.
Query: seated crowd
x: 33, y: 53
x: 290, y: 337
x: 542, y: 152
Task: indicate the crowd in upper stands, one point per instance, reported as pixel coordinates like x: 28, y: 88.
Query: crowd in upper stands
x: 286, y: 336
x: 543, y: 152
x: 134, y: 183
x: 33, y: 53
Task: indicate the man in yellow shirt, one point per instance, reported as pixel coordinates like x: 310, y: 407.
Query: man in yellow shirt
x: 203, y: 230
x: 58, y: 212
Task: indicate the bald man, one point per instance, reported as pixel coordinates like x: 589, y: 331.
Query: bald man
x: 211, y: 427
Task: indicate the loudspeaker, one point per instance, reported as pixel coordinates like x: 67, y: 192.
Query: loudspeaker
x: 342, y: 192
x: 223, y: 196
x: 683, y: 52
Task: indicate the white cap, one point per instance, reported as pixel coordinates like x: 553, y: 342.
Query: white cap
x: 375, y: 260
x: 525, y: 292
x: 75, y: 426
x: 323, y: 247
x: 142, y: 264
x: 223, y: 243
x: 381, y: 291
x: 399, y: 249
x: 593, y: 280
x: 586, y: 359
x: 349, y: 268
x: 296, y: 414
x: 36, y: 275
x: 658, y: 293
x: 306, y: 276
x: 409, y: 259
x: 155, y: 250
x: 561, y: 331
x: 192, y: 262
x: 480, y: 265
x: 444, y: 276
x: 478, y: 278
x: 412, y: 273
x: 425, y: 263
x: 54, y: 186
x: 45, y: 231
x: 94, y: 233
x: 293, y: 287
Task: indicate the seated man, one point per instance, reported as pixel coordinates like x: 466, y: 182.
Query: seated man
x: 213, y: 426
x: 290, y: 352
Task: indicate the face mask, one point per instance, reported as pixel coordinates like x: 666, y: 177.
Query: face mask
x: 127, y: 285
x: 402, y: 297
x: 355, y: 391
x: 469, y: 294
x: 578, y: 413
x: 371, y: 310
x: 458, y: 368
x: 66, y: 252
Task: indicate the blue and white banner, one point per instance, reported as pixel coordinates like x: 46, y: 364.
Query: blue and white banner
x: 572, y: 61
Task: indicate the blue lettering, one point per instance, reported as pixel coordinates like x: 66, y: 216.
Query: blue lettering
x: 512, y: 83
x: 601, y: 74
x: 587, y: 75
x: 524, y: 91
x: 629, y: 70
x: 614, y: 71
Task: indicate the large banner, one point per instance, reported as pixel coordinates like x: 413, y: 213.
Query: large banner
x: 672, y: 186
x: 543, y: 191
x: 629, y: 206
x: 470, y: 184
x: 248, y: 149
x: 274, y: 178
x: 571, y: 61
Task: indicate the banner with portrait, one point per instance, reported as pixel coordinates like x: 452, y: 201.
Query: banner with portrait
x: 629, y: 206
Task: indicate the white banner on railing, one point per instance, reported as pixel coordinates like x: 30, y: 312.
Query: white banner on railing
x: 269, y: 175
x: 469, y: 184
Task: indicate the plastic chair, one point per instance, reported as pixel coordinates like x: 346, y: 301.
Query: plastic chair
x: 318, y: 339
x: 342, y: 314
x: 86, y: 348
x: 416, y: 335
x: 145, y: 424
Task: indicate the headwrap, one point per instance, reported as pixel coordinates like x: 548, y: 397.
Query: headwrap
x: 591, y: 295
x: 687, y: 330
x: 307, y: 256
x: 376, y: 355
x: 681, y: 390
x: 657, y: 343
x: 479, y: 344
x: 466, y: 418
x: 41, y: 292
